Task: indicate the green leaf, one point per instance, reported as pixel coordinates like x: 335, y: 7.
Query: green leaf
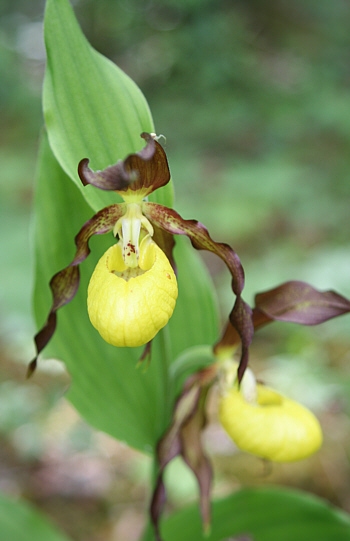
x: 92, y: 108
x: 107, y: 389
x: 267, y: 514
x: 21, y: 522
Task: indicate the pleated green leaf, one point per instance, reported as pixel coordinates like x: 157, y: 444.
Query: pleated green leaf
x: 21, y: 522
x: 92, y: 108
x: 131, y: 404
x: 267, y: 514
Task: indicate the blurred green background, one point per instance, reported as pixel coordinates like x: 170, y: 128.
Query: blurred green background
x: 254, y: 99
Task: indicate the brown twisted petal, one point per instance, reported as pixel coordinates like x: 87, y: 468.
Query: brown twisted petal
x: 65, y: 283
x: 170, y: 446
x: 230, y: 338
x: 140, y: 173
x: 298, y: 302
x: 241, y: 314
x: 183, y: 437
x: 293, y: 302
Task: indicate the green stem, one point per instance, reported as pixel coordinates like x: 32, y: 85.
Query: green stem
x: 191, y: 360
x: 166, y: 366
x: 148, y: 534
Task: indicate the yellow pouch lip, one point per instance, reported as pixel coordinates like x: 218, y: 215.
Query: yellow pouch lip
x: 129, y: 312
x: 275, y: 427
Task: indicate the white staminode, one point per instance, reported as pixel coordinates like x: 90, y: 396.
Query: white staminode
x: 128, y: 227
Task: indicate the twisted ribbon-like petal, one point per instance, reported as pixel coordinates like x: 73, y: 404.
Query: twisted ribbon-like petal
x: 183, y: 437
x: 65, y: 283
x: 241, y: 315
x: 293, y: 302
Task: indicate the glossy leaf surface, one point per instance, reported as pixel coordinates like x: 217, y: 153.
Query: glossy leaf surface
x: 267, y: 514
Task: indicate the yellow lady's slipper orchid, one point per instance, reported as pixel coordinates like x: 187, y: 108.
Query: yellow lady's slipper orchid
x: 129, y: 305
x: 133, y: 289
x: 258, y: 419
x: 269, y: 425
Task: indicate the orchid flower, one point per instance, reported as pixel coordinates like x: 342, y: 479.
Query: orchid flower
x: 263, y: 422
x: 133, y: 290
x: 258, y: 419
